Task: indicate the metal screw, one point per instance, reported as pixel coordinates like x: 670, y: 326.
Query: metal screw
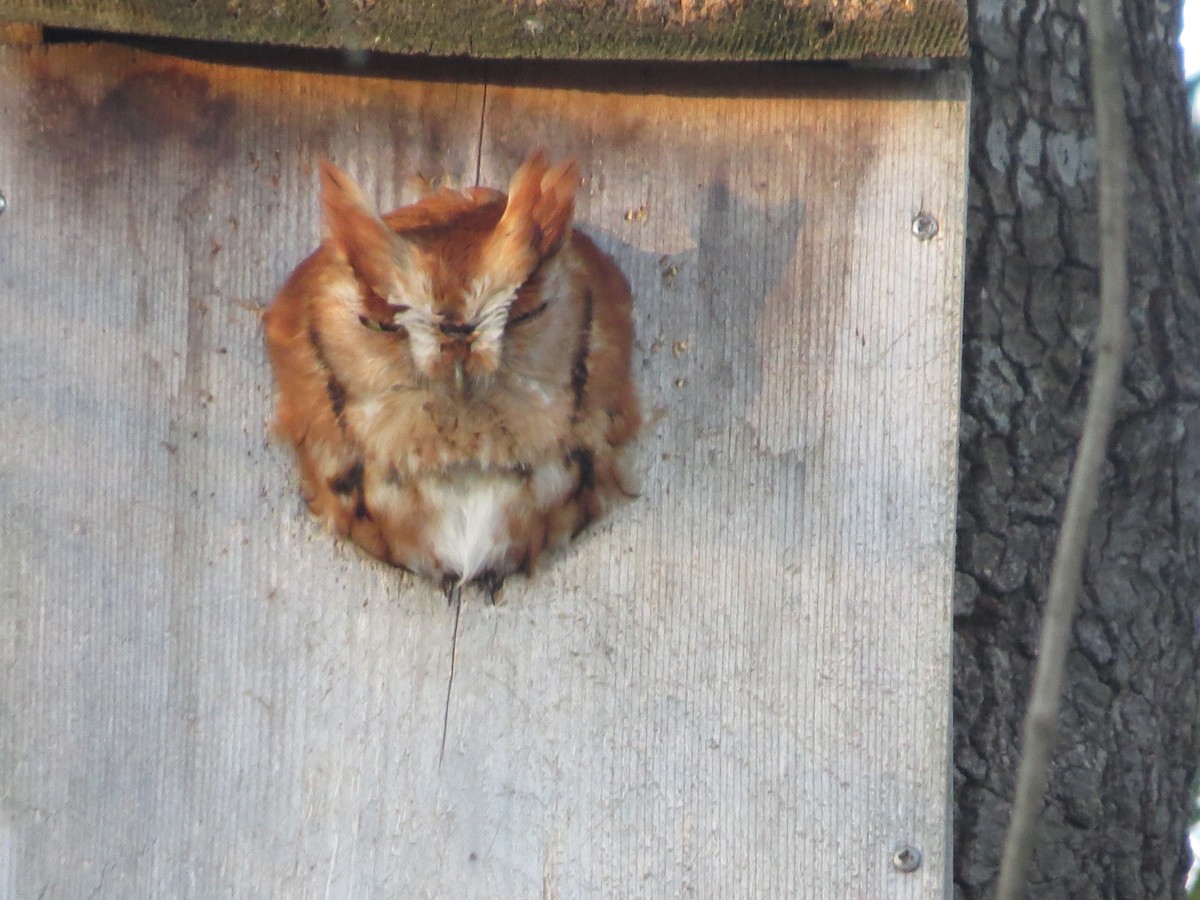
x: 3, y: 204
x: 906, y: 858
x: 924, y: 226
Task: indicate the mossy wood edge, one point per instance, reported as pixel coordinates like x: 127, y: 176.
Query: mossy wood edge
x: 559, y: 29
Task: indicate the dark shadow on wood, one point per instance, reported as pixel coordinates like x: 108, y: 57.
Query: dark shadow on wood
x: 907, y: 79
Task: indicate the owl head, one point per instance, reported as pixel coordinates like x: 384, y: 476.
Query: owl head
x: 447, y: 274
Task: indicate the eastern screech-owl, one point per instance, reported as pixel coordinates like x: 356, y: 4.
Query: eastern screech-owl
x: 455, y: 375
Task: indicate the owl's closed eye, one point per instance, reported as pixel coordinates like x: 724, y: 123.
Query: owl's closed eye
x: 455, y: 376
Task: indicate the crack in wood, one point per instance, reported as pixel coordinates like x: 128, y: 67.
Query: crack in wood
x: 455, y: 597
x: 482, y: 120
x: 454, y: 592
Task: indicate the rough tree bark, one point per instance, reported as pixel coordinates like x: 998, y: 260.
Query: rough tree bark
x: 1118, y: 798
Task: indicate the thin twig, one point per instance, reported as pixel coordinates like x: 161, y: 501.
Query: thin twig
x: 1041, y: 721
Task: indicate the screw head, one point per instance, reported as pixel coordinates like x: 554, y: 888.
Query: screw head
x: 906, y: 858
x: 924, y: 226
x: 3, y: 203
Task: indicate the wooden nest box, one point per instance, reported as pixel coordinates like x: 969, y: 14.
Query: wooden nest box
x: 736, y: 686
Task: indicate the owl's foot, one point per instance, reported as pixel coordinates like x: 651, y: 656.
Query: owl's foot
x: 491, y: 584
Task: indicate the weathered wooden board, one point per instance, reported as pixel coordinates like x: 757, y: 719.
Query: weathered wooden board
x: 564, y: 29
x: 737, y: 686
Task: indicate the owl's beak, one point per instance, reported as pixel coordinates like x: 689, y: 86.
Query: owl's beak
x: 459, y: 378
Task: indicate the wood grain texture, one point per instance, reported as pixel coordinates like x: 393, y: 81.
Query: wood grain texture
x: 541, y: 29
x: 735, y: 686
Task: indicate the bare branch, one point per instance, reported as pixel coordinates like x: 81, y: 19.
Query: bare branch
x: 1041, y: 721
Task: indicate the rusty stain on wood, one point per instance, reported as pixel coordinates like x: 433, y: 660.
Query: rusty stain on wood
x: 19, y: 33
x: 737, y: 686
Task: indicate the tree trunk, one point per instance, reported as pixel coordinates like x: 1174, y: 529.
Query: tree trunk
x: 1117, y: 805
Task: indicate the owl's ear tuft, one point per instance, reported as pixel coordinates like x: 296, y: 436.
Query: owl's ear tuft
x: 372, y: 249
x: 537, y: 217
x: 541, y: 201
x: 536, y: 221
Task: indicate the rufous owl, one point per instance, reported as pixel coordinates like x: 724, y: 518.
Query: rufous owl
x: 455, y: 375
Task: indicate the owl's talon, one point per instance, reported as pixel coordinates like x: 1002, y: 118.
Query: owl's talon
x: 491, y: 584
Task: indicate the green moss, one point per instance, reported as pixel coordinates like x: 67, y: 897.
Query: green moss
x: 563, y: 29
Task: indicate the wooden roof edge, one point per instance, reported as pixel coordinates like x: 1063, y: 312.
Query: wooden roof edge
x: 711, y: 30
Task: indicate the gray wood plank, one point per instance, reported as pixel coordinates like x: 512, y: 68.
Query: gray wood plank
x: 736, y: 686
